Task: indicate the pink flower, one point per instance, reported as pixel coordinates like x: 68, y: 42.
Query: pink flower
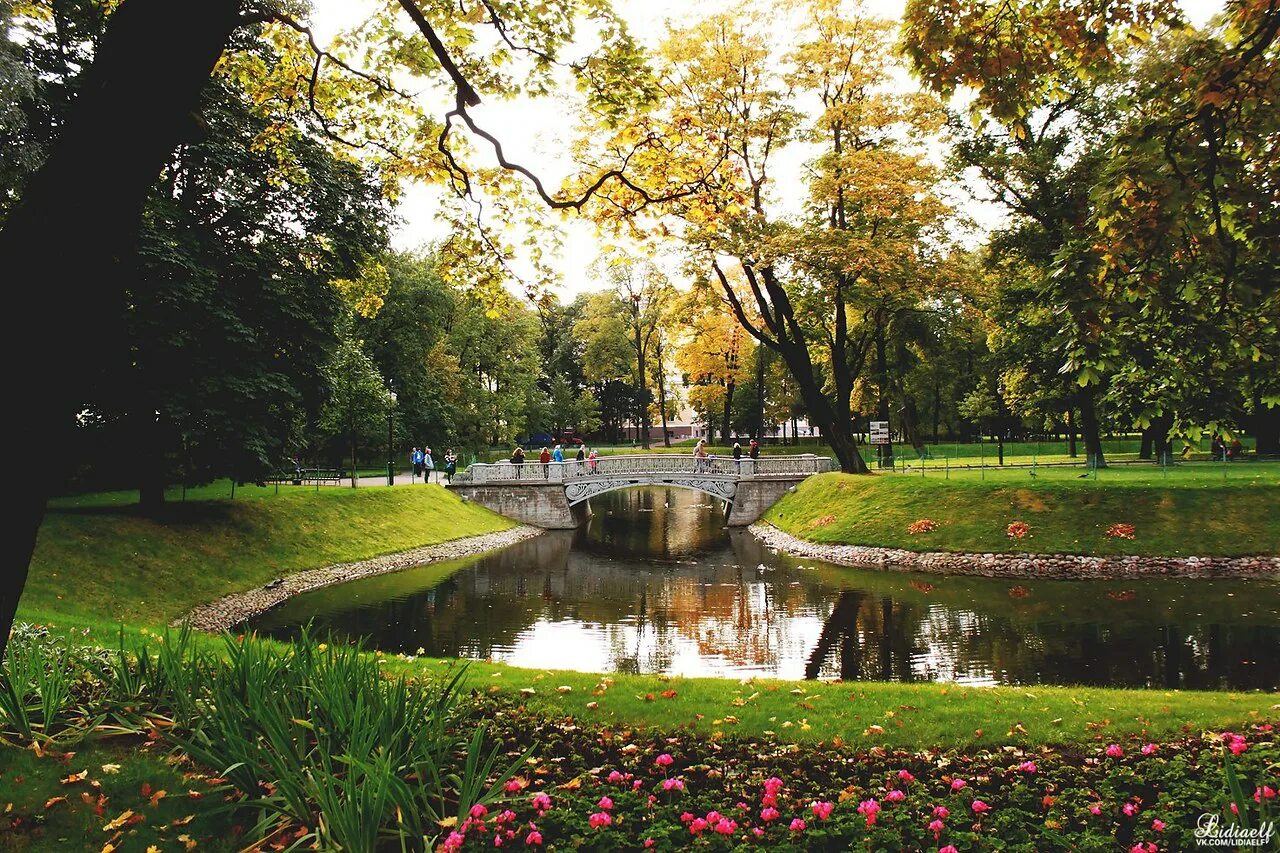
x: 541, y: 802
x: 895, y: 796
x: 686, y: 817
x: 652, y: 799
x: 1158, y: 825
x: 743, y: 807
x: 497, y: 841
x: 757, y: 832
x: 1144, y: 848
x: 957, y: 784
x: 673, y: 784
x: 797, y: 825
x: 1130, y: 809
x: 533, y: 839
x: 697, y: 826
x: 941, y: 812
x: 1027, y: 767
x: 773, y: 784
x: 478, y: 811
x: 724, y: 826
x: 599, y: 819
x: 664, y: 760
x: 1234, y: 742
x: 768, y: 813
x: 635, y: 786
x: 648, y: 842
x: 1149, y: 748
x: 1265, y: 792
x: 822, y: 810
x: 869, y: 808
x: 769, y: 799
x: 506, y: 816
x: 713, y: 817
x: 514, y: 786
x: 1095, y: 809
x: 454, y: 841
x: 905, y: 776
x: 979, y: 807
x: 950, y: 848
x: 614, y: 778
x: 1114, y: 751
x: 605, y: 803
x: 1235, y: 809
x: 935, y: 826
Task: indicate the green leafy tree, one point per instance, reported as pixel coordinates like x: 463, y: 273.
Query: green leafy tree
x: 358, y: 399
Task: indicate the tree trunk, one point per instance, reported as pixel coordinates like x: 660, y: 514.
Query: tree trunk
x: 1148, y: 437
x: 1159, y: 431
x: 885, y: 451
x: 761, y: 354
x: 662, y: 395
x: 353, y: 460
x: 149, y: 457
x: 1266, y: 429
x: 725, y: 426
x: 1089, y: 429
x: 642, y: 409
x: 1071, y: 432
x: 78, y: 218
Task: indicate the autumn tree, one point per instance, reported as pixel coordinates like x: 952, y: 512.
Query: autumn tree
x: 820, y: 289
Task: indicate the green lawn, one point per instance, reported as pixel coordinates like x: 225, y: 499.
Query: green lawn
x: 100, y: 559
x: 1193, y: 514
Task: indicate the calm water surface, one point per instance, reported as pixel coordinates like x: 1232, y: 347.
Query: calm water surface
x: 656, y: 583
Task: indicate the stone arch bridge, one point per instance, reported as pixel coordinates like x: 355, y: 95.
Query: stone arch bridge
x: 556, y: 495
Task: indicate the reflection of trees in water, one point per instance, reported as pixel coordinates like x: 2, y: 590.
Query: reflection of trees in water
x: 867, y: 637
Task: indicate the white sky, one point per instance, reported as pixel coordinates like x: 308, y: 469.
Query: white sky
x: 528, y: 130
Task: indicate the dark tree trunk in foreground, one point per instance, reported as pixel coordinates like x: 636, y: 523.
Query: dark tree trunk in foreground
x: 726, y: 416
x: 66, y: 245
x: 1071, y: 433
x: 1266, y: 429
x: 1148, y: 439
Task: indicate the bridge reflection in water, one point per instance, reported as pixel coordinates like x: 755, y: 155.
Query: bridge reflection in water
x: 656, y: 583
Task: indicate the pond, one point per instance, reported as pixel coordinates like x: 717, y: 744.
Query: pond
x: 656, y: 583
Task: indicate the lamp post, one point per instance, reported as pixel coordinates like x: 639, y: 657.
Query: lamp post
x: 391, y: 406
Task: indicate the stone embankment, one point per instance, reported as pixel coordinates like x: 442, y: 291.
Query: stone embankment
x: 237, y: 607
x: 1006, y: 565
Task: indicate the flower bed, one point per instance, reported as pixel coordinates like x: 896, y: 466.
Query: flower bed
x: 598, y: 789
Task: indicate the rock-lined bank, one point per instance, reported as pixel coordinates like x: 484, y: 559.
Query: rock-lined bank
x: 237, y: 607
x: 999, y: 565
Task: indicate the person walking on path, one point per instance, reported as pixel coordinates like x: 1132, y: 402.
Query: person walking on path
x: 428, y: 465
x: 415, y: 459
x: 545, y: 459
x: 450, y: 464
x: 517, y: 459
x: 582, y: 454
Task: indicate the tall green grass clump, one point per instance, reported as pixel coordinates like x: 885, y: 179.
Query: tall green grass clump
x: 310, y: 735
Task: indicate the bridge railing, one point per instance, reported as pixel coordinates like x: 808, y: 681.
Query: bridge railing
x: 649, y: 464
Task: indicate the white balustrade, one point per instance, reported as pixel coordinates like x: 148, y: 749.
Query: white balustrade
x: 717, y: 467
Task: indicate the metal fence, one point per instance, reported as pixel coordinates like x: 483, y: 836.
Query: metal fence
x: 648, y: 464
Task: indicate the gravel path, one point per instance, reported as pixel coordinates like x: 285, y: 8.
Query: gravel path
x: 233, y: 609
x: 1063, y: 566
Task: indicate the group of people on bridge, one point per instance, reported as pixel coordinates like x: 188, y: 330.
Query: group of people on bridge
x: 587, y: 460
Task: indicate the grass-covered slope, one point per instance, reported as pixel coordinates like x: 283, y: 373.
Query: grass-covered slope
x: 1203, y: 518
x: 103, y: 561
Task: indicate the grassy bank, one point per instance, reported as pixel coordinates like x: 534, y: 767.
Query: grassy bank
x: 100, y: 560
x: 1184, y: 517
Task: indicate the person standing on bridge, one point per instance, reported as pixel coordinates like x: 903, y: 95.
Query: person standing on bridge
x: 593, y: 460
x: 544, y: 459
x: 428, y: 465
x: 582, y: 454
x: 700, y: 456
x: 737, y: 456
x: 517, y: 459
x: 755, y: 449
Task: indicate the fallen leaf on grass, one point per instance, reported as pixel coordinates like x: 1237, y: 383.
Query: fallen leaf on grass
x: 75, y: 777
x: 53, y: 801
x: 157, y: 797
x: 119, y: 821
